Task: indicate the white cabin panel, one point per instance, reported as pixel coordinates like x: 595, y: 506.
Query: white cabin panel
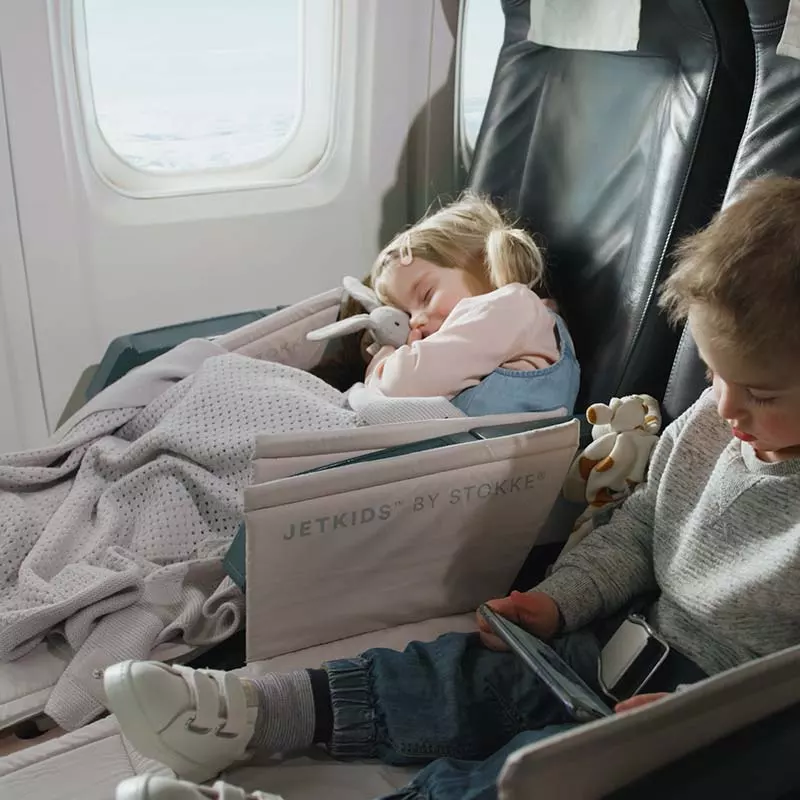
x: 102, y: 262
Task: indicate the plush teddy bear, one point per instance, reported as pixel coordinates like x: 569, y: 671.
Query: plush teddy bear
x: 624, y: 433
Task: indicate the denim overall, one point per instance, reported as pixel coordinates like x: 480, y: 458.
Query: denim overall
x: 507, y: 391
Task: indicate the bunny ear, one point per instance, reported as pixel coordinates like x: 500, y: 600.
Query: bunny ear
x: 362, y: 293
x: 341, y: 328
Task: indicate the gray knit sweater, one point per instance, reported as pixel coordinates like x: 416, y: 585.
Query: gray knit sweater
x: 715, y: 530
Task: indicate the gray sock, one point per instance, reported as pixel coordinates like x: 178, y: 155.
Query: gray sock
x: 286, y: 715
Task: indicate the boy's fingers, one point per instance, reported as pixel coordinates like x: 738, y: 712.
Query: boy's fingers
x: 537, y: 612
x: 638, y: 701
x: 505, y: 608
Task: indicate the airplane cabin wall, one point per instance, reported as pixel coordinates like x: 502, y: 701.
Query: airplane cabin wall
x: 98, y: 264
x: 22, y: 419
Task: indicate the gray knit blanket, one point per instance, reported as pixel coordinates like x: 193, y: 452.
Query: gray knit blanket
x: 112, y: 536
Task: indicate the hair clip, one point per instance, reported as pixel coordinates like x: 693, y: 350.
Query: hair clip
x: 406, y: 256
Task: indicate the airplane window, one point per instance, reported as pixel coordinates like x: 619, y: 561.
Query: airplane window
x: 180, y: 85
x: 182, y: 96
x: 481, y: 39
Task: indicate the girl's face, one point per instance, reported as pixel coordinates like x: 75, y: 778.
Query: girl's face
x: 428, y: 292
x: 761, y: 404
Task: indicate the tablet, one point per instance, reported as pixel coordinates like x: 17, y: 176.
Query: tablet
x: 580, y: 701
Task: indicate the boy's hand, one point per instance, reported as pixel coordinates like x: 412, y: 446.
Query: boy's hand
x: 534, y: 611
x: 639, y: 700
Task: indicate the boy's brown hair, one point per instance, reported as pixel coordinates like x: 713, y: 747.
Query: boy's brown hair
x: 743, y: 269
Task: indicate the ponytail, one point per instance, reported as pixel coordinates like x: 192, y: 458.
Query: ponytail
x: 513, y: 257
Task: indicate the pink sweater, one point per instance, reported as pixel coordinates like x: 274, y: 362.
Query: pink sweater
x: 510, y: 327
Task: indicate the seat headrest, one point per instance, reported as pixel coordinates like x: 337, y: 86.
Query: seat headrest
x: 611, y: 157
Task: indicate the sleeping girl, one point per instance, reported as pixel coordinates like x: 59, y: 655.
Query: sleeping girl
x: 481, y: 335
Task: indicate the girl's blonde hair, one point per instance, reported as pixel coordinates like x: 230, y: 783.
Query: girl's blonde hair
x: 469, y: 234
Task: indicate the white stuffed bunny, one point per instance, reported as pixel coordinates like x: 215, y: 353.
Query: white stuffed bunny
x: 388, y: 325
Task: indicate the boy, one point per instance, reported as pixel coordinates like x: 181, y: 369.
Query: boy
x: 715, y: 531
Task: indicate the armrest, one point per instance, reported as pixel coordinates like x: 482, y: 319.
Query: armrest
x: 134, y: 349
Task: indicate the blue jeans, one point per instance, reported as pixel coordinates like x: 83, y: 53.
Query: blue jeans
x: 452, y: 704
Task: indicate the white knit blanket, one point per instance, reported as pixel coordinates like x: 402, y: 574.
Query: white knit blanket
x: 111, y: 538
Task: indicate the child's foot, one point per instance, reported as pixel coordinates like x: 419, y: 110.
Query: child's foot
x: 156, y: 787
x: 197, y: 722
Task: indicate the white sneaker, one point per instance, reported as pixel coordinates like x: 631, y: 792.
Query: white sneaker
x: 156, y: 787
x: 195, y: 721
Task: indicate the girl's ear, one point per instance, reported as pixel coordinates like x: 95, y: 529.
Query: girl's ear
x: 363, y: 294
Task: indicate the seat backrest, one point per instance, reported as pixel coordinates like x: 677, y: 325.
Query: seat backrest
x: 770, y: 145
x: 610, y: 157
